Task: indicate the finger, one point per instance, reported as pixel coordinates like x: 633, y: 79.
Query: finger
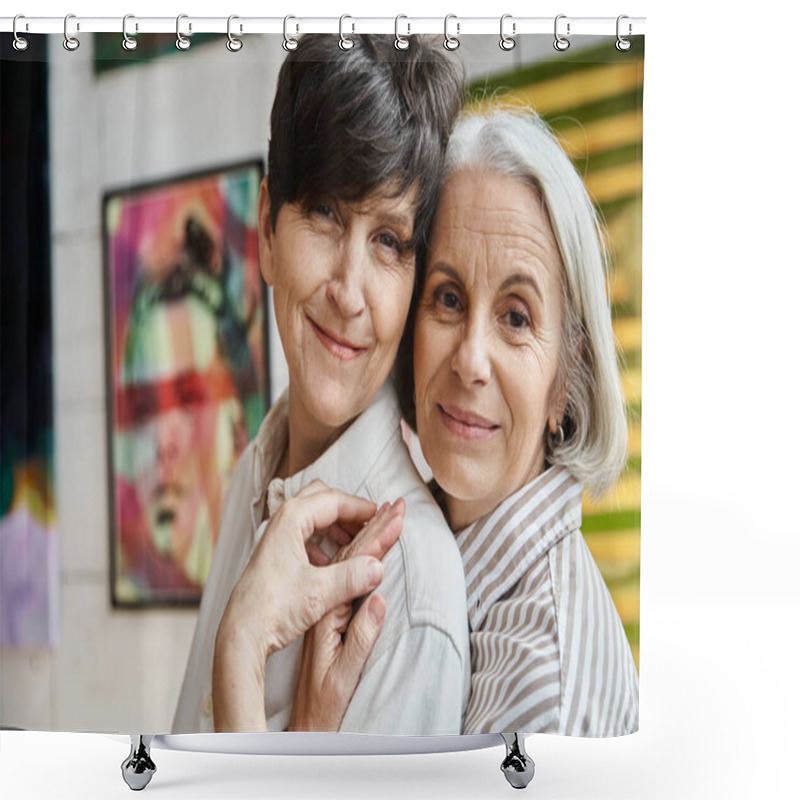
x: 343, y: 532
x: 368, y: 532
x: 339, y: 535
x: 342, y: 583
x: 320, y: 509
x: 313, y: 487
x: 352, y: 528
x: 376, y: 538
x: 361, y: 637
x: 316, y: 555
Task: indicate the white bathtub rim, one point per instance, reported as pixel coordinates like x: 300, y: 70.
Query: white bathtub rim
x: 317, y: 744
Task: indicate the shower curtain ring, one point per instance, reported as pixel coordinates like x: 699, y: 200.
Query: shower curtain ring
x: 507, y: 42
x: 233, y: 44
x: 128, y: 42
x: 288, y: 42
x: 20, y: 42
x: 623, y: 44
x: 182, y: 42
x: 451, y: 42
x: 70, y: 42
x: 345, y: 43
x: 561, y: 43
x: 401, y: 42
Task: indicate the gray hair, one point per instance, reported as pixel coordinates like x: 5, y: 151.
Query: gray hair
x: 520, y: 144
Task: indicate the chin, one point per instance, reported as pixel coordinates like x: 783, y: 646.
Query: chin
x: 464, y: 479
x: 330, y: 408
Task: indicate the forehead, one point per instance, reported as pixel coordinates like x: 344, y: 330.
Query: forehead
x: 487, y: 219
x: 386, y: 200
x: 170, y: 339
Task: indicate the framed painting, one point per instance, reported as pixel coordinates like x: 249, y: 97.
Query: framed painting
x: 187, y: 371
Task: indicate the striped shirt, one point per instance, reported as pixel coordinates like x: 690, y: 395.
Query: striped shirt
x: 549, y: 653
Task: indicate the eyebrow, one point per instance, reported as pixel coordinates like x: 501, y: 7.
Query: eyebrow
x: 526, y: 280
x: 449, y: 271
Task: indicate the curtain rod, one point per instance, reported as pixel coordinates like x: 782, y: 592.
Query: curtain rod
x: 459, y: 26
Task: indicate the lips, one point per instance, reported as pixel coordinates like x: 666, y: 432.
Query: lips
x: 465, y: 423
x: 339, y: 346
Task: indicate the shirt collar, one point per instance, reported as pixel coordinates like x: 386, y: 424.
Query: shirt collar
x: 498, y: 549
x: 346, y: 464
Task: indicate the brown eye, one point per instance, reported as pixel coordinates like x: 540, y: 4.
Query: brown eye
x: 447, y: 298
x: 387, y: 240
x: 517, y: 320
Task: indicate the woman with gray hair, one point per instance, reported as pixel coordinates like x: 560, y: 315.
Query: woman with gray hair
x: 516, y: 399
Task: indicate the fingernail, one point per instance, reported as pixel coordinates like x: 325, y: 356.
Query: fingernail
x: 382, y: 510
x: 377, y: 610
x: 375, y: 572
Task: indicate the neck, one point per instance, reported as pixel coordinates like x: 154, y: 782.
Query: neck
x: 461, y: 513
x: 308, y: 438
x: 464, y: 511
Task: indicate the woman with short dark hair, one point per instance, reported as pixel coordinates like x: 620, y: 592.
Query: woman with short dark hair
x: 356, y: 157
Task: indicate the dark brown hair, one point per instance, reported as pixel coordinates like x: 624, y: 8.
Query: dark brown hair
x: 346, y: 124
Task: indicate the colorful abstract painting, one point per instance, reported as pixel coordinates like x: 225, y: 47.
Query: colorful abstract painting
x: 187, y: 372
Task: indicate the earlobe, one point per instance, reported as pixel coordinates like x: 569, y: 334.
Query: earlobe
x: 265, y: 233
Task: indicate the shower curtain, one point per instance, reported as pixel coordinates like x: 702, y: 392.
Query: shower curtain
x: 140, y: 340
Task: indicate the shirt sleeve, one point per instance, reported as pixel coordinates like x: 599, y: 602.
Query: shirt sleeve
x: 419, y: 687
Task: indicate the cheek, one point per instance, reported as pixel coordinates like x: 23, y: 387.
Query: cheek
x: 431, y: 347
x: 293, y: 278
x: 527, y: 389
x: 389, y: 303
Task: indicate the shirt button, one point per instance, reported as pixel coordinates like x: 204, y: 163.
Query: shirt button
x: 207, y: 707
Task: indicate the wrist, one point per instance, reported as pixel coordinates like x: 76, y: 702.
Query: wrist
x: 237, y: 685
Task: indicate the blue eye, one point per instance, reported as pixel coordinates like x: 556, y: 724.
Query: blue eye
x: 323, y: 209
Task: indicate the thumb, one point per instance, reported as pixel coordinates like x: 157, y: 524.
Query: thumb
x: 353, y: 578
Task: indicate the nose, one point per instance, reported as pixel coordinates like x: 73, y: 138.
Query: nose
x: 471, y: 361
x: 345, y: 289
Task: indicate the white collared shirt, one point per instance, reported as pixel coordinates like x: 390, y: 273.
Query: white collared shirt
x: 549, y: 653
x: 416, y: 680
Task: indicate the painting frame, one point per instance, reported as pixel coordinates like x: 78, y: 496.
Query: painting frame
x: 116, y: 201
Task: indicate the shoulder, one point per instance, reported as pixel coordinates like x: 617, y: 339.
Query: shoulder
x: 423, y: 572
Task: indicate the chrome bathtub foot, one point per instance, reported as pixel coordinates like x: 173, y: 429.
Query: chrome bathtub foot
x: 138, y: 768
x: 517, y: 766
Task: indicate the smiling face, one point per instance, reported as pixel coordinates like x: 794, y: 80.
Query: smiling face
x: 486, y: 341
x: 342, y: 275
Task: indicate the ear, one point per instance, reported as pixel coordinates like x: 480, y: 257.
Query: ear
x: 265, y: 233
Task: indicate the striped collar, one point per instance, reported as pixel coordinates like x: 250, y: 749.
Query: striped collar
x: 498, y: 549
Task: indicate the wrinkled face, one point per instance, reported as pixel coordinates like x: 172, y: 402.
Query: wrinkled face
x: 178, y: 415
x: 342, y: 275
x: 486, y: 341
